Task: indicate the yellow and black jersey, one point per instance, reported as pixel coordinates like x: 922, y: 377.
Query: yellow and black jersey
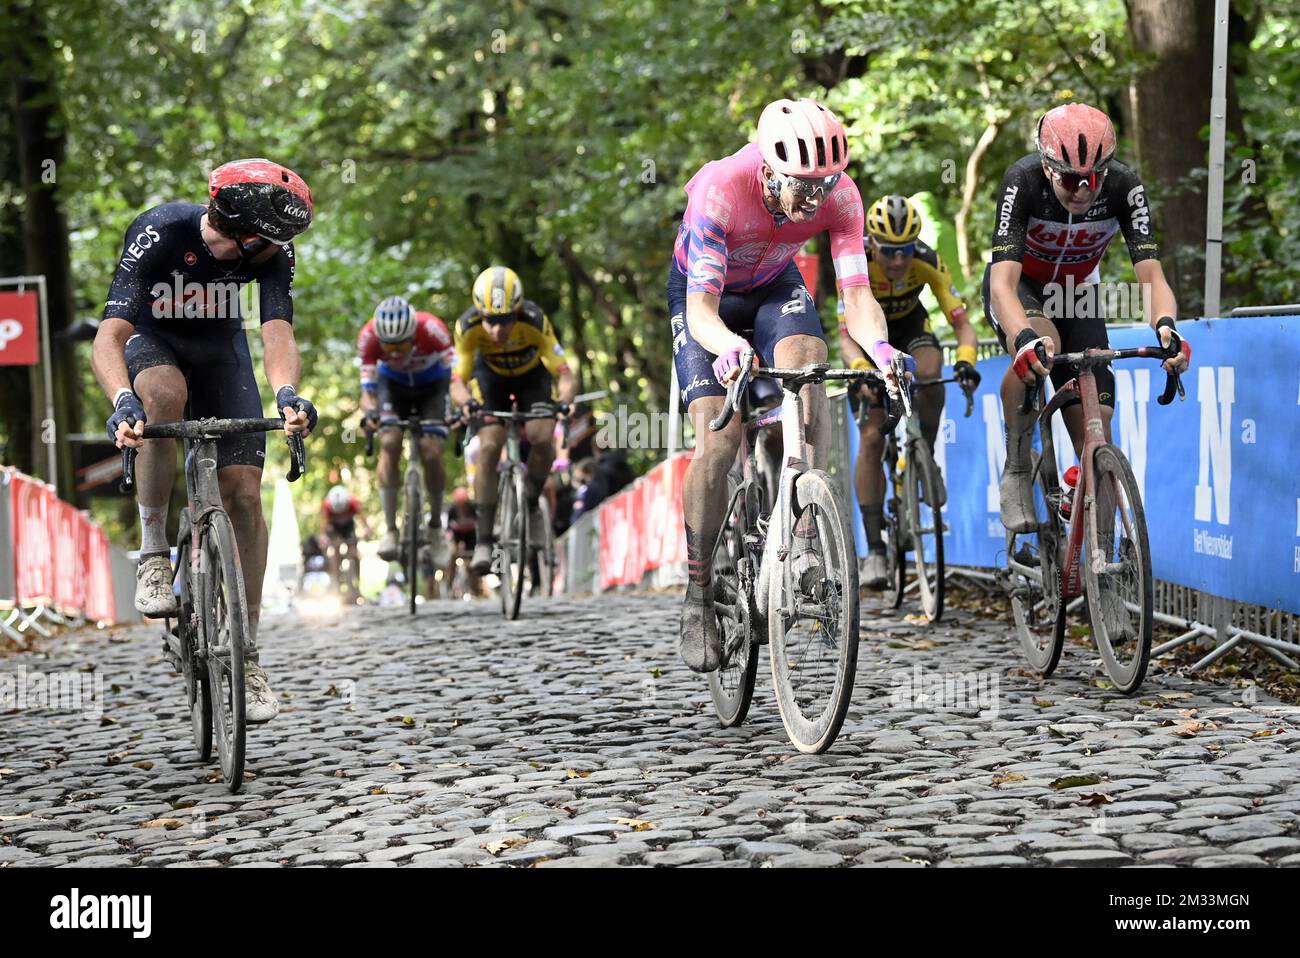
x: 531, y: 341
x: 900, y: 299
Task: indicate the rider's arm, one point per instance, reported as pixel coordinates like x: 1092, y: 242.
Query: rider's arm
x: 706, y: 326
x: 108, y: 358
x: 1008, y: 253
x: 954, y: 307
x: 466, y: 353
x: 556, y: 362
x: 1138, y: 226
x: 283, y: 364
x: 864, y: 320
x: 709, y: 213
x: 369, y: 352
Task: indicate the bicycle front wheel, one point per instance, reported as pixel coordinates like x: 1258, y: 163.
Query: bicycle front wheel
x: 1117, y: 569
x: 546, y: 551
x: 197, y: 689
x: 512, y: 541
x: 1033, y: 577
x: 731, y: 685
x: 926, y: 519
x: 414, y: 517
x: 224, y: 634
x: 812, y: 618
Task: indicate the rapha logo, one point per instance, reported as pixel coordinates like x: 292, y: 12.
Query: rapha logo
x: 76, y: 911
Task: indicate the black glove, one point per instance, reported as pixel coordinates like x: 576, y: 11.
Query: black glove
x: 968, y: 377
x: 128, y: 410
x: 471, y: 407
x: 286, y: 397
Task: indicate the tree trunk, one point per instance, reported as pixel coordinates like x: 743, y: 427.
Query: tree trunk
x: 1170, y: 102
x: 39, y: 130
x: 970, y: 186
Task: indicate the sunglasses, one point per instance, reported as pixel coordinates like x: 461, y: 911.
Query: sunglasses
x: 255, y: 243
x: 1072, y: 182
x: 401, y: 347
x: 890, y: 250
x: 806, y: 187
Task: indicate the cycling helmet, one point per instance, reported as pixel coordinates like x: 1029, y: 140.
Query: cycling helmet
x: 394, y: 320
x: 338, y: 499
x: 802, y: 138
x: 894, y: 220
x: 1075, y: 138
x: 262, y: 197
x: 498, y: 291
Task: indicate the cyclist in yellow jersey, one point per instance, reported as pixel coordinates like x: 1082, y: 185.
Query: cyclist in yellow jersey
x: 506, y: 346
x: 900, y: 267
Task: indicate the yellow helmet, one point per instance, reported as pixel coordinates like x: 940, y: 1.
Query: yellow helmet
x: 498, y: 291
x: 893, y: 220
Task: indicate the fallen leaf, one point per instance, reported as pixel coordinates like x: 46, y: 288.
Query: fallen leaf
x: 497, y: 847
x: 1095, y: 799
x: 636, y: 824
x: 339, y: 773
x: 1056, y: 732
x: 452, y: 765
x: 1075, y: 781
x: 1188, y: 713
x: 397, y: 766
x: 145, y: 766
x: 107, y: 720
x: 656, y: 673
x: 1043, y: 703
x: 1266, y: 732
x: 1188, y: 729
x: 168, y: 823
x: 1009, y: 777
x: 6, y: 771
x: 1101, y: 683
x: 116, y: 757
x: 13, y: 818
x: 1257, y: 802
x: 408, y: 720
x: 570, y: 773
x: 1174, y: 695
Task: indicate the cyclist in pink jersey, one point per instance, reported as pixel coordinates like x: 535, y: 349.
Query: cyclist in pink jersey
x: 732, y: 283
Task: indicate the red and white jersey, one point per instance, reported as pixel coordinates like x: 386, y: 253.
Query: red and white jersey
x: 430, y: 359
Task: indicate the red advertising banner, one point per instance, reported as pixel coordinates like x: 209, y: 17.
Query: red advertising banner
x: 641, y: 527
x: 33, y: 543
x: 19, y: 329
x: 808, y: 264
x: 60, y: 556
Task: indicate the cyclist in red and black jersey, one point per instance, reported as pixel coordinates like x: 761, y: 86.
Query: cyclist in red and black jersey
x: 1058, y: 211
x: 173, y: 335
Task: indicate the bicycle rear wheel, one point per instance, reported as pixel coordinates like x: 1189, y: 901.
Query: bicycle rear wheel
x: 224, y: 635
x: 1117, y: 569
x: 1033, y: 577
x: 731, y: 685
x: 926, y: 520
x: 512, y: 540
x: 895, y: 554
x: 813, y: 618
x: 198, y: 693
x: 411, y: 533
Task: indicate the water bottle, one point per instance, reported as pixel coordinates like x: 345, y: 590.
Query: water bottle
x: 1068, y: 482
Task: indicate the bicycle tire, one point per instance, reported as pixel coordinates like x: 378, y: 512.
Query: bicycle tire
x: 512, y: 541
x: 198, y: 695
x: 924, y: 486
x: 225, y: 632
x: 731, y: 685
x: 895, y: 558
x: 546, y: 551
x: 1108, y: 603
x: 1037, y: 605
x: 411, y: 533
x: 834, y: 590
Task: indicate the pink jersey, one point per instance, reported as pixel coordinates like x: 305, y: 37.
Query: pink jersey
x: 730, y: 241
x: 429, y: 360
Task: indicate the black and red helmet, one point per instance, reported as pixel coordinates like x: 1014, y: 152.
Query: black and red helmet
x: 262, y: 197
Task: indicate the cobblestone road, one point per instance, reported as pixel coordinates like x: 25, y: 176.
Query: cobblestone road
x: 575, y: 737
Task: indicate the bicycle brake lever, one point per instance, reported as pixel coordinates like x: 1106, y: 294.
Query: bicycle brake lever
x: 1173, y: 384
x: 128, y: 471
x: 297, y: 457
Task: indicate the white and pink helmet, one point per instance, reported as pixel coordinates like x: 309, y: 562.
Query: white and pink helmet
x: 802, y: 138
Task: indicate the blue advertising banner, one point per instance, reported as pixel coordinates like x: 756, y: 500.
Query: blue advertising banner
x: 1219, y: 473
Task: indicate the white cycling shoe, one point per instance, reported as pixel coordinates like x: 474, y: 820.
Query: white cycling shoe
x: 260, y: 703
x: 875, y: 571
x: 153, y: 587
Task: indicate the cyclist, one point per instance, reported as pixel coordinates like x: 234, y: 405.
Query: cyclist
x: 406, y: 359
x: 1059, y: 209
x: 506, y: 347
x: 461, y: 525
x: 747, y: 215
x: 339, y: 513
x: 172, y: 334
x: 901, y: 267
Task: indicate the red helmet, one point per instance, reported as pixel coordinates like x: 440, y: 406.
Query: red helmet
x: 1075, y: 138
x: 802, y: 138
x: 263, y: 198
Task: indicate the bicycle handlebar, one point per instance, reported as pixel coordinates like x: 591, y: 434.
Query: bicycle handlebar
x: 813, y: 373
x: 1098, y: 357
x: 195, y: 429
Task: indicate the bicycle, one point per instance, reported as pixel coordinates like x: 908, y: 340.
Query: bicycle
x: 807, y: 620
x: 207, y: 642
x: 343, y: 560
x: 415, y: 555
x: 915, y: 483
x: 510, y: 552
x: 1105, y: 553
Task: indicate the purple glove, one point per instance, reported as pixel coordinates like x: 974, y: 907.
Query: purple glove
x: 882, y: 354
x: 727, y: 363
